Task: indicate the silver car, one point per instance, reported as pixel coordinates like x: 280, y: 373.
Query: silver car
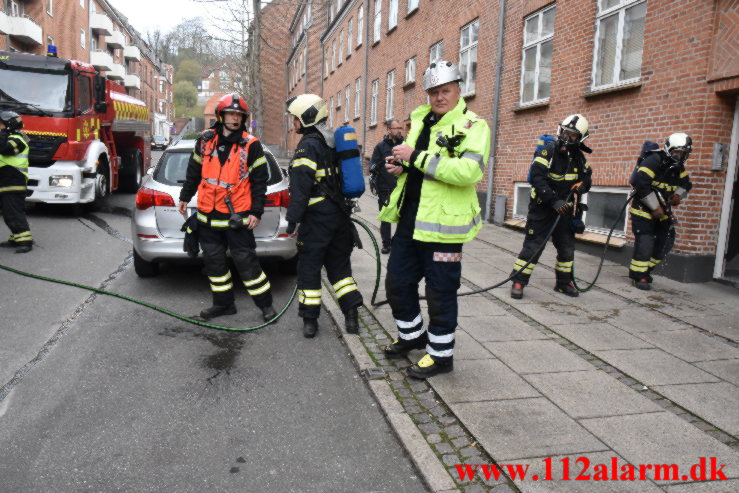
x: 156, y: 223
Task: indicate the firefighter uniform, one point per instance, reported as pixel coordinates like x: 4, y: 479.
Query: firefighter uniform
x: 232, y: 167
x: 437, y: 210
x: 556, y: 168
x: 385, y: 182
x: 325, y: 233
x: 13, y: 188
x: 656, y: 178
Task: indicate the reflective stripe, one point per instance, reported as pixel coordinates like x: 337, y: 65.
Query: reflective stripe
x: 20, y: 188
x: 520, y: 263
x: 433, y: 164
x: 653, y: 262
x: 202, y: 218
x: 197, y: 158
x: 321, y: 173
x: 257, y: 291
x: 541, y: 160
x: 563, y: 266
x: 219, y: 183
x: 347, y: 280
x: 223, y: 278
x: 638, y: 268
x: 412, y: 335
x: 305, y: 162
x: 348, y: 289
x: 311, y: 293
x: 259, y: 162
x: 449, y: 230
x: 475, y: 157
x: 219, y: 223
x: 443, y: 339
x: 647, y: 171
x: 440, y: 354
x: 315, y: 200
x: 683, y: 174
x: 640, y: 213
x: 14, y: 144
x: 664, y: 186
x: 409, y: 325
x: 224, y: 287
x: 256, y: 281
x: 639, y: 262
x: 572, y: 176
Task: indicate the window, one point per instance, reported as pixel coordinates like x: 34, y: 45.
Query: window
x: 331, y: 113
x: 536, y: 72
x: 521, y: 198
x: 373, y: 102
x: 338, y: 99
x: 604, y: 208
x: 468, y: 57
x: 341, y: 47
x: 347, y: 95
x: 49, y: 40
x: 437, y: 52
x: 333, y: 55
x: 50, y: 8
x: 325, y: 60
x: 619, y: 42
x: 82, y: 37
x: 360, y: 24
x: 82, y: 3
x: 410, y: 70
x: 412, y: 5
x: 357, y: 93
x: 378, y: 21
x: 84, y: 94
x: 349, y: 38
x: 305, y: 60
x: 392, y: 14
x: 390, y: 95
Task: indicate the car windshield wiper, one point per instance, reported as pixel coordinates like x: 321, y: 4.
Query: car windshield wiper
x: 35, y: 107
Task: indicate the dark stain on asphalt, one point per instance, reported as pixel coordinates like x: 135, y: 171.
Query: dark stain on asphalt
x: 102, y: 224
x: 224, y: 359
x: 241, y: 460
x: 234, y: 470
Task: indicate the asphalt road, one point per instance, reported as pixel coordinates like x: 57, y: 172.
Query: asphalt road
x: 97, y: 393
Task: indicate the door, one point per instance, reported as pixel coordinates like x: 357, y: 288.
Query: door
x: 727, y: 248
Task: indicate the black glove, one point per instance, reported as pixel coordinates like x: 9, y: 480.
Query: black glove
x: 191, y: 244
x: 291, y: 228
x: 560, y: 206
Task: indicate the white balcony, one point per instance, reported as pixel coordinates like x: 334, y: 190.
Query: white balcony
x: 116, y: 72
x: 115, y: 40
x: 22, y: 29
x: 101, y: 60
x: 4, y: 23
x: 132, y: 53
x: 101, y: 23
x: 132, y: 81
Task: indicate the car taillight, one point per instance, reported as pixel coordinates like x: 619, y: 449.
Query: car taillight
x: 146, y: 197
x: 277, y: 199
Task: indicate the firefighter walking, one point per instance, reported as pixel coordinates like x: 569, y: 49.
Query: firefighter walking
x: 228, y: 170
x: 660, y: 182
x: 385, y: 182
x: 437, y: 211
x: 319, y: 215
x: 13, y: 181
x: 559, y: 167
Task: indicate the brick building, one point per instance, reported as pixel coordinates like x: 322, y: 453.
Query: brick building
x: 637, y: 69
x: 95, y: 32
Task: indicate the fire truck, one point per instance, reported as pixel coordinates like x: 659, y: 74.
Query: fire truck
x: 87, y: 136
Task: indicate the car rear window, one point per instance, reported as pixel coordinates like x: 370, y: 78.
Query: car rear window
x: 172, y: 168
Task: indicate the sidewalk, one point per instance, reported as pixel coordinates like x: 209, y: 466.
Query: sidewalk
x: 646, y: 377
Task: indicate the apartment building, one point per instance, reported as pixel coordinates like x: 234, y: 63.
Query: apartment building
x: 95, y: 32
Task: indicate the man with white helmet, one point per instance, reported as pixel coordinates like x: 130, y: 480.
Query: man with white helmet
x: 437, y: 210
x: 559, y: 167
x: 660, y: 182
x: 318, y: 215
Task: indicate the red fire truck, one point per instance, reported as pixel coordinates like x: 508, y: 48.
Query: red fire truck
x: 87, y: 136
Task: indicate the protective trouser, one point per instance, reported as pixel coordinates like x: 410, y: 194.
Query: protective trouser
x: 13, y: 205
x: 241, y: 243
x: 441, y: 265
x: 385, y: 229
x: 538, y: 224
x: 651, y: 238
x: 325, y: 240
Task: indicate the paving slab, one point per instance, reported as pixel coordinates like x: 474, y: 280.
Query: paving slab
x: 723, y: 325
x: 588, y: 394
x: 560, y: 312
x: 661, y: 438
x: 525, y: 428
x: 500, y: 328
x: 537, y: 356
x: 730, y: 486
x: 691, y: 345
x: 599, y: 336
x: 477, y: 306
x: 638, y: 319
x: 726, y: 369
x: 654, y: 366
x: 465, y: 347
x: 481, y: 380
x: 676, y: 304
x: 717, y: 403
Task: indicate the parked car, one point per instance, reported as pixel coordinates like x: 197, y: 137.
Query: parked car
x: 159, y: 142
x: 156, y: 222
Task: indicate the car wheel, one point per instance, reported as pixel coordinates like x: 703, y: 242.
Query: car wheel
x: 144, y: 268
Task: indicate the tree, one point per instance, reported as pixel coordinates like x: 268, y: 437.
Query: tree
x: 185, y: 97
x: 188, y: 70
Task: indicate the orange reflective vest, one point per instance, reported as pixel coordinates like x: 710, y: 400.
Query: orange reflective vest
x: 231, y: 179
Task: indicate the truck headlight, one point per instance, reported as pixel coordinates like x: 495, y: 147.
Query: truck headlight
x: 61, y: 181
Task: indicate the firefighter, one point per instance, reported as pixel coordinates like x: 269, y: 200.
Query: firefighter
x: 228, y: 170
x: 319, y: 216
x: 559, y: 166
x: 660, y: 183
x: 13, y: 181
x: 385, y: 181
x: 436, y: 207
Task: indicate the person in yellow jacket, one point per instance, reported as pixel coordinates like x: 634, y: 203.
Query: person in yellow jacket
x: 436, y: 207
x: 13, y: 181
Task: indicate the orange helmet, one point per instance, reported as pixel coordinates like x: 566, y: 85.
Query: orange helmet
x: 232, y: 102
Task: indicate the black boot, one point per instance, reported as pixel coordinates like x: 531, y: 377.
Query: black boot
x: 517, y: 290
x: 268, y: 313
x: 24, y: 248
x: 8, y: 244
x: 400, y: 348
x: 217, y: 311
x: 567, y: 288
x: 427, y: 367
x: 310, y: 327
x: 643, y: 284
x: 351, y: 318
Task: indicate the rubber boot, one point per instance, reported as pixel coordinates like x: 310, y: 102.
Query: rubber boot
x: 310, y: 327
x: 24, y: 248
x: 351, y: 319
x: 8, y: 244
x: 517, y: 291
x: 268, y: 313
x: 643, y: 284
x: 567, y: 288
x: 427, y: 367
x: 217, y: 311
x: 399, y: 348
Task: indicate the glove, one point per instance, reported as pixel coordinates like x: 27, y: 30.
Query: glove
x: 291, y: 228
x: 675, y: 199
x: 560, y: 206
x: 579, y: 188
x: 191, y: 244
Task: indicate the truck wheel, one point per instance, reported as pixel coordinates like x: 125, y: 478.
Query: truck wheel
x: 102, y: 186
x: 131, y: 163
x: 144, y: 268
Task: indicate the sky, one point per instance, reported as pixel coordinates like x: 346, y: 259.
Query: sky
x: 147, y: 15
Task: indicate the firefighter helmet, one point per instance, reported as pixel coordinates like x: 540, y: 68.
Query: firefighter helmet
x: 11, y: 120
x: 440, y: 73
x: 679, y: 142
x: 232, y: 102
x: 310, y: 109
x: 575, y: 123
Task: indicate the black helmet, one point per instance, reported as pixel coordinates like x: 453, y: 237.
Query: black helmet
x: 11, y: 120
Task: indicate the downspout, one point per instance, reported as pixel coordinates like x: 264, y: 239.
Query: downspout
x: 364, y: 79
x: 496, y: 111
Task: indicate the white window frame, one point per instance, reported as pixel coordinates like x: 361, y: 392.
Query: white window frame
x: 341, y: 47
x: 412, y: 5
x: 474, y: 44
x: 373, y: 101
x: 305, y: 60
x: 357, y: 95
x: 349, y: 37
x: 347, y: 102
x: 392, y: 15
x: 331, y: 113
x: 338, y: 99
x: 390, y: 95
x: 333, y: 55
x: 438, y: 46
x: 83, y: 37
x: 618, y: 233
x: 620, y: 11
x: 50, y: 8
x: 360, y: 24
x: 410, y: 70
x: 325, y: 60
x: 516, y: 187
x: 377, y: 31
x: 82, y: 3
x: 528, y: 45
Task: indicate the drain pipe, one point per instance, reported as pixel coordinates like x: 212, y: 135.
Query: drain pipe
x: 496, y: 111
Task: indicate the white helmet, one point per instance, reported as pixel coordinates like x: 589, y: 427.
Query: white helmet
x: 679, y: 141
x: 440, y: 73
x: 310, y: 109
x: 576, y: 123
